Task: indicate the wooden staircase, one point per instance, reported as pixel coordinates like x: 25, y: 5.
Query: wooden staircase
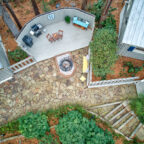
x: 121, y: 118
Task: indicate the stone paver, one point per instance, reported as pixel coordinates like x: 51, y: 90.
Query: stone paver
x: 40, y: 87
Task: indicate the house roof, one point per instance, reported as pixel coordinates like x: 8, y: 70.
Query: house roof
x: 134, y: 32
x: 3, y: 58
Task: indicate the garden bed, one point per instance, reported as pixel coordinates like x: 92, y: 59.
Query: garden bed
x: 53, y: 119
x: 122, y: 72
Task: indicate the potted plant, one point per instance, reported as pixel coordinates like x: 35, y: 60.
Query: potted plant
x: 67, y: 19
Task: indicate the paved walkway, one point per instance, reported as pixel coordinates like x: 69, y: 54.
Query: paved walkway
x: 41, y: 87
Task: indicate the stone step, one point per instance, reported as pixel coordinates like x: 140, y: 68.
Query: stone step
x: 135, y: 130
x: 121, y: 119
x: 114, y: 110
x: 130, y: 127
x: 127, y: 121
x: 118, y: 114
x: 103, y: 111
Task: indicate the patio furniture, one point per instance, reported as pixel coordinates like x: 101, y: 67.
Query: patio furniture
x: 82, y: 78
x: 27, y: 40
x: 80, y: 22
x: 55, y: 36
x: 85, y: 64
x: 60, y: 34
x: 50, y: 38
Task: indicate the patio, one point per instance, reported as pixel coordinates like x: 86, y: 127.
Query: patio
x: 41, y: 87
x: 73, y: 38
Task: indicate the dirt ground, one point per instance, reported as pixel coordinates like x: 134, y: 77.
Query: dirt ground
x: 119, y: 71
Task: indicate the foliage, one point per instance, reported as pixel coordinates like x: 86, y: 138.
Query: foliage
x: 67, y: 19
x: 45, y: 6
x: 96, y: 9
x: 17, y: 55
x: 48, y: 139
x: 137, y: 105
x: 52, y: 2
x: 74, y: 128
x: 131, y: 68
x: 109, y: 22
x: 103, y: 51
x: 33, y: 125
x: 61, y: 111
x: 12, y: 126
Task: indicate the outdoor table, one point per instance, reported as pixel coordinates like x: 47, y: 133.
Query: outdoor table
x: 55, y: 36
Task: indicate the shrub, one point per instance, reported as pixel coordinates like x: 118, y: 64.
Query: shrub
x: 131, y: 68
x: 103, y: 51
x: 109, y: 22
x: 17, y: 55
x: 12, y: 126
x: 33, y: 125
x: 45, y: 6
x: 48, y: 139
x: 74, y: 128
x: 67, y: 19
x: 96, y: 9
x: 52, y: 2
x: 137, y: 105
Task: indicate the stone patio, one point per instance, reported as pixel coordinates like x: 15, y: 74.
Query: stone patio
x: 40, y: 87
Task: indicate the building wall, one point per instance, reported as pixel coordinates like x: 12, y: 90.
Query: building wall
x: 58, y: 16
x: 123, y: 51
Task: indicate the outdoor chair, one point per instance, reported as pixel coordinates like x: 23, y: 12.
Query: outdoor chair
x: 50, y: 38
x: 60, y: 34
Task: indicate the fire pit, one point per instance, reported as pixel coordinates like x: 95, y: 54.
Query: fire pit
x: 65, y: 64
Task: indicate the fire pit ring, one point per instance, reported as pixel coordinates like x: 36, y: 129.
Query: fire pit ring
x: 66, y: 64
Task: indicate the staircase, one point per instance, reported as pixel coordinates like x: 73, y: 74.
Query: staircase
x: 121, y: 118
x: 5, y: 75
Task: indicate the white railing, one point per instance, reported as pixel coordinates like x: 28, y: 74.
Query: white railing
x: 112, y: 82
x: 22, y: 64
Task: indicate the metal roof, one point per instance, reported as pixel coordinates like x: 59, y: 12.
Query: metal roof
x: 3, y: 58
x: 134, y: 32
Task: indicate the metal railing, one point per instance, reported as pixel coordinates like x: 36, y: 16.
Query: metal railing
x: 22, y: 64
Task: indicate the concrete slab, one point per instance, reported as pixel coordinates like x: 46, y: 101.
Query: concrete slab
x: 140, y: 87
x: 73, y: 38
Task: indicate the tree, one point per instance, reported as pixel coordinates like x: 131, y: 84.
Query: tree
x: 6, y: 4
x: 35, y: 7
x: 84, y: 4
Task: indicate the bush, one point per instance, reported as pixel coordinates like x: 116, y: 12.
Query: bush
x: 74, y: 128
x: 131, y: 68
x: 33, y: 125
x: 52, y: 2
x: 12, y: 126
x: 96, y: 9
x: 137, y: 105
x: 17, y: 55
x: 48, y: 139
x: 103, y: 51
x: 67, y: 19
x: 109, y: 22
x: 45, y: 6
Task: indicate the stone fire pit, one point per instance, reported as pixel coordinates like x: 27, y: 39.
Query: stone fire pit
x: 65, y: 64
